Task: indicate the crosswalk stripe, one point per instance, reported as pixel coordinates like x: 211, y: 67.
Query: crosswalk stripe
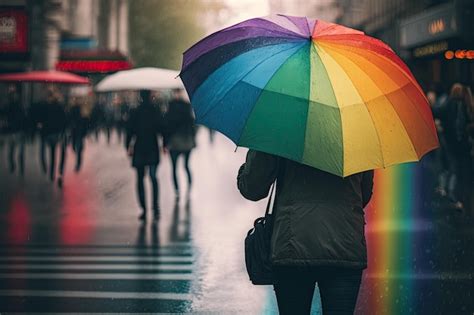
x: 97, y: 276
x: 97, y: 267
x: 100, y: 258
x: 97, y: 294
x: 101, y: 251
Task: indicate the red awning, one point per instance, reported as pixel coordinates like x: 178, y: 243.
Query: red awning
x: 44, y: 76
x: 93, y: 66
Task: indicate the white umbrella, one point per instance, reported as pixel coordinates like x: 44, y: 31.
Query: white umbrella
x: 141, y: 79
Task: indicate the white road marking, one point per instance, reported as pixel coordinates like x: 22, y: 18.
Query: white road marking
x: 189, y: 259
x: 97, y: 276
x: 98, y: 294
x: 100, y: 251
x: 134, y: 267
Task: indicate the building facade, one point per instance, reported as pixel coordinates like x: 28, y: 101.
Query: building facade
x: 82, y: 36
x: 434, y: 37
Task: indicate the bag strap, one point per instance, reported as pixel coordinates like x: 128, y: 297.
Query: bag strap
x: 281, y: 168
x: 270, y: 199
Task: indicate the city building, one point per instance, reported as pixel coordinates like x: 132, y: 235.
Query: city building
x: 434, y: 37
x: 82, y: 36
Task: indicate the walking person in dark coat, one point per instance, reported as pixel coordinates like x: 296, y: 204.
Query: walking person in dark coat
x: 16, y: 128
x: 78, y: 127
x: 144, y: 126
x: 180, y: 135
x: 318, y: 231
x: 456, y: 116
x: 52, y: 124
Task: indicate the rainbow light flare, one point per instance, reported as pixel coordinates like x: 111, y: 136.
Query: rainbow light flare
x: 388, y: 286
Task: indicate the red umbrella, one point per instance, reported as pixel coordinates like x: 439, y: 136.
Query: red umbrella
x: 44, y: 76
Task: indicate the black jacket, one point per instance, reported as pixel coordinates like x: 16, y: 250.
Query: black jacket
x: 319, y: 217
x: 455, y: 120
x: 144, y: 126
x: 53, y: 118
x: 180, y: 128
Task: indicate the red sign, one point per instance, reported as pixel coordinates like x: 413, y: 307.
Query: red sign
x: 13, y: 31
x: 93, y: 66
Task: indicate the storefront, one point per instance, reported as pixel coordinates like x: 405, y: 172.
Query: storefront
x: 94, y: 63
x: 440, y: 44
x: 14, y: 44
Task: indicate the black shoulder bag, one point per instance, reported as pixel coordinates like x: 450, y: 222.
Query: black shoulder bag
x: 257, y: 248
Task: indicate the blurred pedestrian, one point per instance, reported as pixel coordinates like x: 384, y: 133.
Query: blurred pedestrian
x: 15, y: 129
x: 97, y: 116
x: 52, y: 127
x: 144, y: 127
x: 78, y: 126
x: 456, y: 116
x: 124, y: 113
x: 180, y: 135
x: 318, y: 231
x: 435, y: 163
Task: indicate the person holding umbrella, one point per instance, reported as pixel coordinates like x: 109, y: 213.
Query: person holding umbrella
x: 318, y: 231
x: 319, y: 105
x: 144, y: 127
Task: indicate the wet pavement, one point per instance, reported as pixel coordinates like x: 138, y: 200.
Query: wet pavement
x: 81, y: 248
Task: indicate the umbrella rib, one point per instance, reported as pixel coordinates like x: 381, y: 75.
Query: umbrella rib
x: 295, y: 34
x: 404, y: 74
x: 382, y: 94
x: 289, y: 40
x: 368, y: 112
x: 416, y: 107
x: 373, y: 47
x: 261, y: 91
x: 291, y: 21
x: 339, y: 109
x: 310, y: 30
x: 355, y: 38
x: 243, y: 76
x: 309, y: 101
x: 203, y: 41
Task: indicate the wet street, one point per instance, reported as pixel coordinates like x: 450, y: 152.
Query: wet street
x: 82, y: 249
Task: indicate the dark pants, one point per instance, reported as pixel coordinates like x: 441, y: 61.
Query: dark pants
x: 78, y: 146
x: 51, y: 141
x: 338, y: 287
x: 17, y: 140
x: 174, y: 159
x: 141, y: 185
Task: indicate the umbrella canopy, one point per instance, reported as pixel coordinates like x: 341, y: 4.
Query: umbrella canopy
x: 44, y: 76
x: 315, y: 92
x: 140, y: 79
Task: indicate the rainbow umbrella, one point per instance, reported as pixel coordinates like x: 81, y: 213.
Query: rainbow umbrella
x: 311, y: 91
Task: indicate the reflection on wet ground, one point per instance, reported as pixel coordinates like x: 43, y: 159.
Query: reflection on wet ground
x: 81, y: 248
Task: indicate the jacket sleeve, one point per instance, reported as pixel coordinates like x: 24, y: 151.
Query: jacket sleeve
x: 367, y: 187
x: 257, y: 174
